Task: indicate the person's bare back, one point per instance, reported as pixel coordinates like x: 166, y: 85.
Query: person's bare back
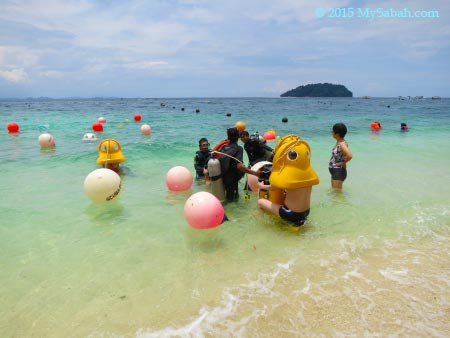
x: 298, y: 200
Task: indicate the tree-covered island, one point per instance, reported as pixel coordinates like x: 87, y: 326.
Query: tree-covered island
x: 319, y: 90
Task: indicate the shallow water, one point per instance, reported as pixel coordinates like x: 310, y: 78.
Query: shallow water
x: 371, y: 261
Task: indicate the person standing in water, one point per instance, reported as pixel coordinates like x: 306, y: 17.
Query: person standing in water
x: 201, y: 158
x: 231, y: 163
x: 110, y: 155
x: 340, y: 156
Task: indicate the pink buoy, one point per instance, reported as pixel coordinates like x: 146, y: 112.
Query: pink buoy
x: 203, y: 211
x: 12, y: 127
x: 102, y: 119
x: 46, y: 140
x: 146, y: 129
x: 252, y: 180
x: 179, y: 179
x: 137, y: 117
x: 97, y: 127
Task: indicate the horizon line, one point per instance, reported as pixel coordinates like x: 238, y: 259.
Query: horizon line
x: 417, y: 97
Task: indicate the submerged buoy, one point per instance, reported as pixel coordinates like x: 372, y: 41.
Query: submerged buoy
x: 89, y: 137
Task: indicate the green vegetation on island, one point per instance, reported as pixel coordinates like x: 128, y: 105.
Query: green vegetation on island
x: 319, y: 90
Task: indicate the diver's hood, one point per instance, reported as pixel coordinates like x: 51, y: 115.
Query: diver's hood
x: 291, y: 167
x: 110, y: 151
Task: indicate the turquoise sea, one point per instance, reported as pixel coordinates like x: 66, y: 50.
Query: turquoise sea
x: 372, y: 261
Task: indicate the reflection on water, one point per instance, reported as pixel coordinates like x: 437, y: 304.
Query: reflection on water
x: 177, y: 198
x: 109, y: 213
x: 48, y: 151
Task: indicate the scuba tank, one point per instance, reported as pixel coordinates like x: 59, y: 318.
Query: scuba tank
x: 215, y: 174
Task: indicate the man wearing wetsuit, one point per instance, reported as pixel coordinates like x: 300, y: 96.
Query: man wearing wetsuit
x: 231, y: 163
x: 202, y: 157
x: 254, y: 147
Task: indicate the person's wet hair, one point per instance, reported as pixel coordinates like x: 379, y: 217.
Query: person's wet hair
x: 202, y: 140
x: 340, y: 129
x: 233, y: 134
x: 244, y: 134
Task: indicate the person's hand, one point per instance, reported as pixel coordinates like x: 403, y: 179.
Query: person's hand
x: 261, y: 185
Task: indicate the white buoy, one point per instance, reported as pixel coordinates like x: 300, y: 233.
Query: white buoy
x: 252, y: 181
x: 89, y: 137
x: 102, y: 185
x: 46, y: 140
x: 146, y: 129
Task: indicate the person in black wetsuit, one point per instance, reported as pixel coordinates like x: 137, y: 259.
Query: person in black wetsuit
x: 231, y: 163
x: 254, y: 147
x: 202, y: 157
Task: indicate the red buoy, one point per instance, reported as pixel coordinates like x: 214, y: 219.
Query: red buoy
x: 12, y: 127
x: 97, y: 126
x: 137, y: 117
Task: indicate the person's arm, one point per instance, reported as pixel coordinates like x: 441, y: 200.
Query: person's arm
x: 244, y: 169
x: 347, y: 153
x: 198, y: 167
x: 266, y: 147
x: 263, y: 186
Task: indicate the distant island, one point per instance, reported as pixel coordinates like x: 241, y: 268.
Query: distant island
x: 319, y: 90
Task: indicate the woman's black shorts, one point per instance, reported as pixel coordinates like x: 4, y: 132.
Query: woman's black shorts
x: 338, y: 174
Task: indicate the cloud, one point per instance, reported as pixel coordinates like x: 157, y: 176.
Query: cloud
x: 52, y: 74
x: 146, y: 65
x: 14, y: 75
x: 251, y: 44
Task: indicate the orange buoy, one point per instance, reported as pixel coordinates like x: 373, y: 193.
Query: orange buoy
x: 240, y: 125
x: 375, y: 125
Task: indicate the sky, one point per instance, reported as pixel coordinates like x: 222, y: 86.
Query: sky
x: 226, y: 48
